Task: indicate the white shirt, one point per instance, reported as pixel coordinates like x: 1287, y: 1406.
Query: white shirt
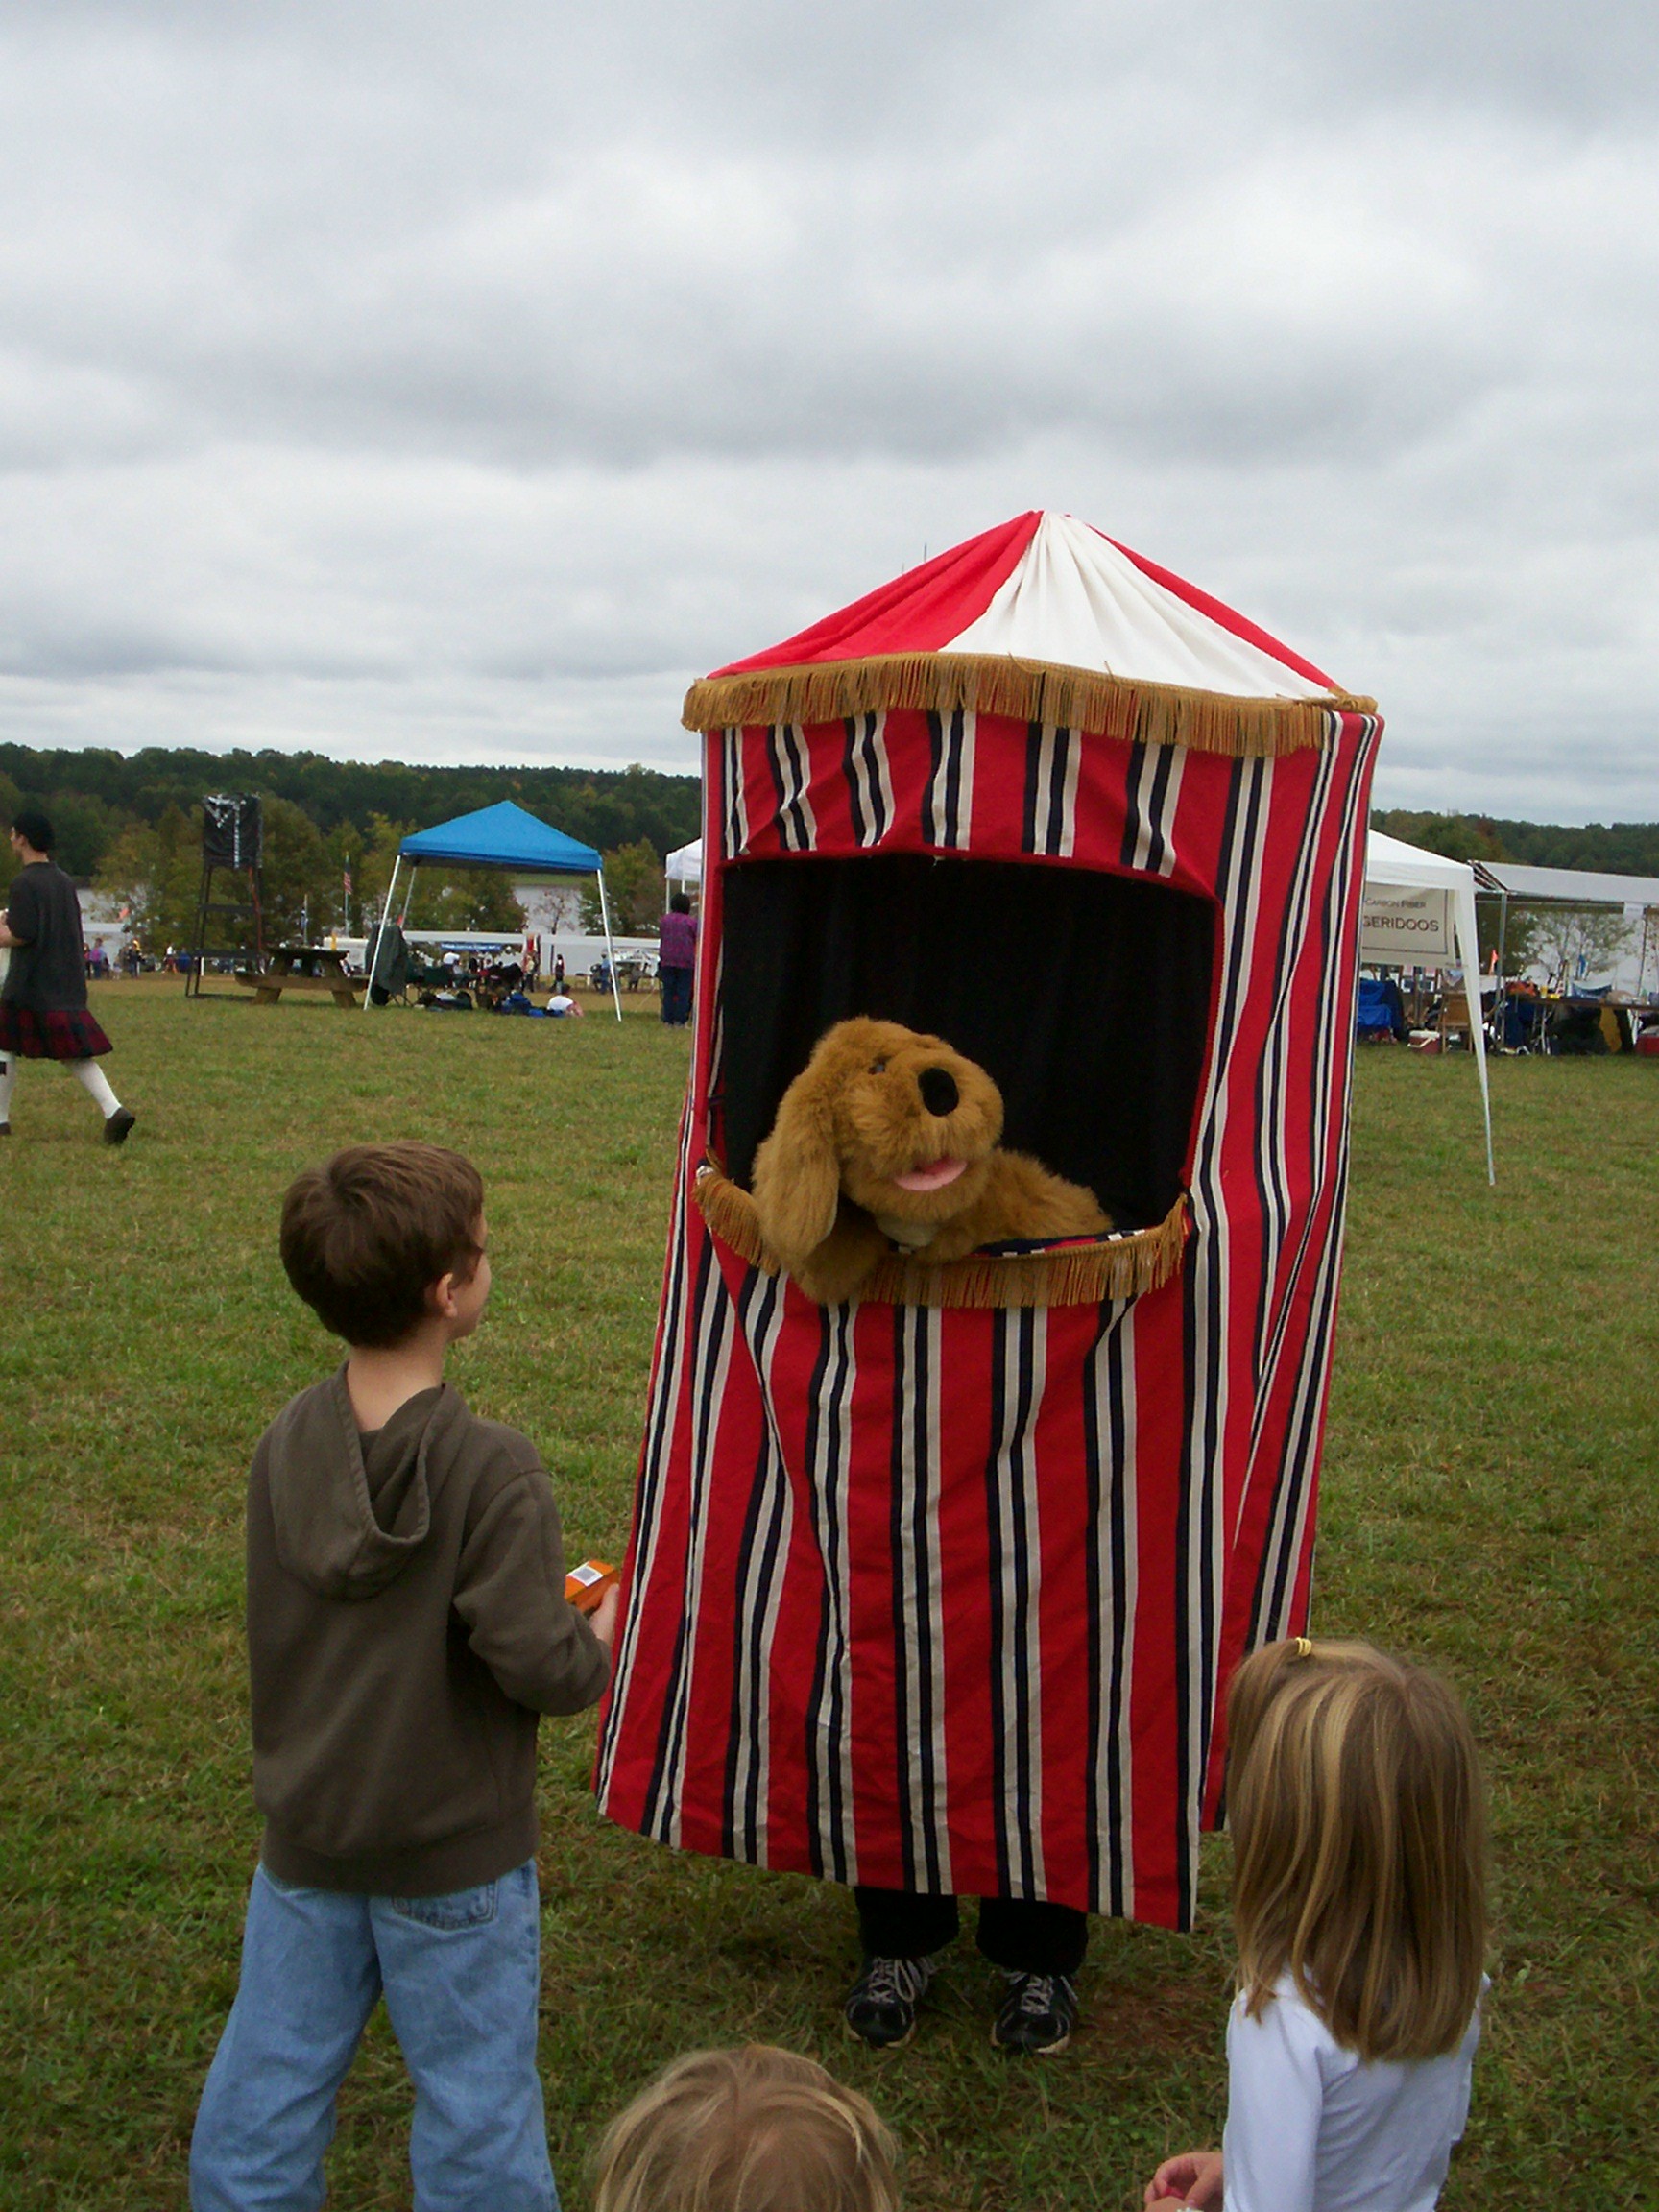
x: 1311, y: 2127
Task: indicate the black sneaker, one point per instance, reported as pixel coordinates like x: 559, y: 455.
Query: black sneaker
x: 1037, y: 2014
x: 880, y: 2007
x: 117, y: 1124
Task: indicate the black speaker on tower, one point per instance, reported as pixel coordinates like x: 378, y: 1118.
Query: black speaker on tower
x: 232, y: 833
x: 232, y: 844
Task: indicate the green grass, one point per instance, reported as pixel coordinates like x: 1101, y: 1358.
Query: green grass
x: 1489, y: 1503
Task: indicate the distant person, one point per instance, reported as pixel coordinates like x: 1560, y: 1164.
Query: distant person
x: 756, y: 2129
x: 676, y: 960
x: 558, y: 970
x: 407, y: 1626
x: 43, y: 1011
x: 562, y: 1004
x: 1359, y: 1826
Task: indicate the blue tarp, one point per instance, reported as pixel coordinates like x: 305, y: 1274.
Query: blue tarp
x: 1382, y: 1011
x: 503, y: 836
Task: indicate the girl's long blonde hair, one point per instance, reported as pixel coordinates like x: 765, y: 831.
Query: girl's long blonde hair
x: 1359, y: 1844
x: 755, y: 2130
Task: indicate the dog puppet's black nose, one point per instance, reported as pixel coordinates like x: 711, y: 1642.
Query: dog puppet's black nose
x: 938, y: 1088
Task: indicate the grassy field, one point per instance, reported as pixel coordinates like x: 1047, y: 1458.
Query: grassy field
x: 1490, y: 1502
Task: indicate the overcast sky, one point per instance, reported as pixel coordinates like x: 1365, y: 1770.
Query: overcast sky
x: 456, y: 381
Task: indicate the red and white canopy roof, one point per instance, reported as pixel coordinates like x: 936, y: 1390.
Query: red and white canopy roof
x: 1046, y: 619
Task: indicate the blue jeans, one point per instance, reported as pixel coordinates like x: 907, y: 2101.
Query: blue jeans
x: 675, y: 985
x: 461, y: 1974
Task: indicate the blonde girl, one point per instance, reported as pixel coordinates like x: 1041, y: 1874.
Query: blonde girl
x: 1358, y: 1902
x: 756, y: 2129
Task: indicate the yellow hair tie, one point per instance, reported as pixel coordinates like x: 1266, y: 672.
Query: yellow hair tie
x: 1304, y: 1646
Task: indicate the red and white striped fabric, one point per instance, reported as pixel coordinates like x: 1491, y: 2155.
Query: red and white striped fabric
x: 946, y: 1599
x: 1048, y: 588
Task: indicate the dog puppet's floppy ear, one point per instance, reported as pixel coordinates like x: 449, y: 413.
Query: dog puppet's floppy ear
x: 798, y: 1170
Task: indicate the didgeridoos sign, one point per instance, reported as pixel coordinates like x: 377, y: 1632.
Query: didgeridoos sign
x: 1406, y: 929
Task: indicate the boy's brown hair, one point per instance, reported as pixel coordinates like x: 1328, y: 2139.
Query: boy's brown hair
x: 756, y: 2129
x: 366, y: 1235
x: 1359, y: 1844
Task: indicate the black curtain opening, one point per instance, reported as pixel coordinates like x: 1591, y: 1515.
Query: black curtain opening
x: 1086, y: 995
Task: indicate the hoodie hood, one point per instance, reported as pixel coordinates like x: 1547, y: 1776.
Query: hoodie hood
x: 347, y: 1521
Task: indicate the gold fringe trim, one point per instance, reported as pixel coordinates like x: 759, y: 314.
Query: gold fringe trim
x: 1027, y: 691
x: 1120, y: 1266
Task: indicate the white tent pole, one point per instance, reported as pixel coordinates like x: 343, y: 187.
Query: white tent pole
x: 375, y: 956
x: 610, y: 949
x: 1469, y: 952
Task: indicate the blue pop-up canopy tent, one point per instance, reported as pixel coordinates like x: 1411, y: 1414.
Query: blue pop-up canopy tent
x: 500, y: 836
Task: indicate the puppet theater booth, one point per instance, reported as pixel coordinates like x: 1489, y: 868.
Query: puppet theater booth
x: 938, y: 1590
x: 500, y: 836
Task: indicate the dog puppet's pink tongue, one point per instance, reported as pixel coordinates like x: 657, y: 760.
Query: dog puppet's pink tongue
x: 932, y: 1178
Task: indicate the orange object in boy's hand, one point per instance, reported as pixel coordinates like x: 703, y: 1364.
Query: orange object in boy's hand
x: 586, y: 1586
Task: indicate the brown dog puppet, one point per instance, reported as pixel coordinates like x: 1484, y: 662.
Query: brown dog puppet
x: 889, y: 1137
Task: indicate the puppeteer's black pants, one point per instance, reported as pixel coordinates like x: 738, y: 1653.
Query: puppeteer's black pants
x: 1025, y: 1934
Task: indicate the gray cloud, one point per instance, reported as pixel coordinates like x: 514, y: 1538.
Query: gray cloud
x: 423, y: 379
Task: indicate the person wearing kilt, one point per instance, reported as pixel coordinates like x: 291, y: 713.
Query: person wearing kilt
x: 44, y: 1013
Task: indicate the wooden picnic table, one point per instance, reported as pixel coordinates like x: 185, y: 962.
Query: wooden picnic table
x: 302, y: 968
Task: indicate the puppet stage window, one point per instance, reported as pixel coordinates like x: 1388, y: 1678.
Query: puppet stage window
x: 1086, y: 996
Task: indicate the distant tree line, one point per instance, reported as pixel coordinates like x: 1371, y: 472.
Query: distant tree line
x: 132, y: 824
x: 1618, y: 848
x: 1563, y: 941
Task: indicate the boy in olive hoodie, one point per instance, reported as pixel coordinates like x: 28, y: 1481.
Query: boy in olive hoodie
x: 406, y: 1626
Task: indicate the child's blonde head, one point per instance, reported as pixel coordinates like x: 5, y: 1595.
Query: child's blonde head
x: 1358, y: 1823
x: 755, y: 2130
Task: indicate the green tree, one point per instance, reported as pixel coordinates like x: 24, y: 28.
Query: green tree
x: 1519, y: 930
x: 634, y: 885
x: 85, y: 827
x: 301, y: 894
x: 10, y: 798
x: 376, y: 851
x: 342, y: 850
x: 428, y: 898
x: 157, y: 873
x: 467, y: 899
x: 1563, y: 936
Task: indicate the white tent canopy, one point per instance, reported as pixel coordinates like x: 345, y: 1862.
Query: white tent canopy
x: 1568, y: 886
x: 1394, y: 868
x: 685, y: 865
